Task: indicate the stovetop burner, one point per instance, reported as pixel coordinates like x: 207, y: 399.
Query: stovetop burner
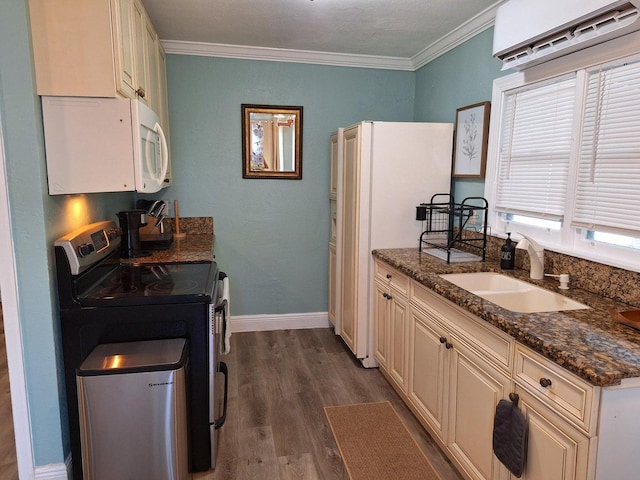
x: 130, y: 284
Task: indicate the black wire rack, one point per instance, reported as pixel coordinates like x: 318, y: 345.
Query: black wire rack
x: 455, y: 232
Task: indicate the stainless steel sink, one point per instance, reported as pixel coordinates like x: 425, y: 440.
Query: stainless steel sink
x: 511, y: 293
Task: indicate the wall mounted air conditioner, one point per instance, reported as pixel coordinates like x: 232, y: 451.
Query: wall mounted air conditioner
x: 529, y: 32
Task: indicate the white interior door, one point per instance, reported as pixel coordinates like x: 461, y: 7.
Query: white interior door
x: 13, y: 335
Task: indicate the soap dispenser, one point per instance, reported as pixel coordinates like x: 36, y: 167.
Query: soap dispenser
x: 508, y: 254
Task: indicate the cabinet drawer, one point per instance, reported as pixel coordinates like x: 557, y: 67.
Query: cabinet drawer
x: 390, y: 275
x: 491, y: 342
x: 565, y: 393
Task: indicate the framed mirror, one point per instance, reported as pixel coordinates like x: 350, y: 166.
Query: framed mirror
x: 271, y: 141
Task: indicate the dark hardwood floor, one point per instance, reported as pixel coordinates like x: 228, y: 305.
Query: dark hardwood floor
x: 8, y: 465
x: 276, y: 427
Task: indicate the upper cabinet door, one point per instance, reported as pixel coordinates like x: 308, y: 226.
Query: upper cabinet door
x: 153, y: 78
x: 140, y: 38
x: 333, y: 178
x: 163, y: 105
x: 97, y: 48
x: 72, y: 48
x: 124, y: 47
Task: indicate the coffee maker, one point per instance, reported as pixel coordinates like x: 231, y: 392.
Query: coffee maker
x: 130, y: 223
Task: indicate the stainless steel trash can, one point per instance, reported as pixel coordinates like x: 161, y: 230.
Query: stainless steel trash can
x: 133, y: 417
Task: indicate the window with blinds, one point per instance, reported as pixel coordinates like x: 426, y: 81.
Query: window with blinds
x: 535, y: 150
x: 565, y: 165
x: 608, y: 188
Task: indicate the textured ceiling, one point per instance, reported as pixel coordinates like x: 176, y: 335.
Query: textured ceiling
x: 393, y: 28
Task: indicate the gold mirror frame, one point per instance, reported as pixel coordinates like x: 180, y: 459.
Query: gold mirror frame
x: 279, y: 129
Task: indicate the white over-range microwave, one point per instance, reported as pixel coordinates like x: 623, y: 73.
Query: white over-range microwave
x: 103, y: 145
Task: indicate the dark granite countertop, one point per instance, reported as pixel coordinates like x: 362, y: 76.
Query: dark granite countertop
x: 589, y: 343
x: 195, y: 246
x: 190, y: 249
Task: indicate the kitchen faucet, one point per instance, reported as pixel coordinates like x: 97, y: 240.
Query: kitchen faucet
x: 536, y: 256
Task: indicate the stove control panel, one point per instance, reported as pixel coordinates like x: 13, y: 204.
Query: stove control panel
x: 89, y: 244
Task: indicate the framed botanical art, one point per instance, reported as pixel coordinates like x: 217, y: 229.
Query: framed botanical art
x: 471, y: 136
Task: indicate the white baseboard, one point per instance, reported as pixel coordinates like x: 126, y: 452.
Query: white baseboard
x: 287, y: 321
x: 55, y: 471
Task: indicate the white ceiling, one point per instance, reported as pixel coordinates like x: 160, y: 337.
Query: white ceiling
x: 390, y: 29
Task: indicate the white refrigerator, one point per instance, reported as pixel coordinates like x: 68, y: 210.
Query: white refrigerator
x: 385, y: 169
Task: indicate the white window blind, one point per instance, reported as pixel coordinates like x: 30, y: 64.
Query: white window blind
x: 608, y: 189
x: 535, y: 148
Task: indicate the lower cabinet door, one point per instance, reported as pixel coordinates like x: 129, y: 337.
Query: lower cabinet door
x: 475, y: 389
x: 557, y: 450
x: 381, y: 324
x: 428, y: 370
x: 398, y: 332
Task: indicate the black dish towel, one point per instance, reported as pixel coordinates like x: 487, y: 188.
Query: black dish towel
x: 510, y: 436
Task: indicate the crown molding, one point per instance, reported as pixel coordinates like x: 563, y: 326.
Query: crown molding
x: 481, y: 22
x: 477, y: 24
x: 285, y: 55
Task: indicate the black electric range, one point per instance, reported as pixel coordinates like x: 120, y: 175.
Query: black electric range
x: 148, y: 284
x: 103, y: 300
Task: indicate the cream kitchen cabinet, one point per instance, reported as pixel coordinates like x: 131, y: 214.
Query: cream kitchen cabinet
x: 428, y: 386
x: 459, y: 368
x: 332, y: 282
x: 334, y: 290
x: 557, y: 450
x: 98, y: 48
x: 163, y: 105
x: 561, y: 411
x: 73, y: 47
x: 147, y: 58
x: 333, y: 164
x: 385, y: 169
x: 381, y: 313
x: 141, y: 38
x: 391, y: 317
x: 124, y: 48
x: 459, y: 371
x: 475, y: 388
x: 352, y: 277
x: 163, y: 96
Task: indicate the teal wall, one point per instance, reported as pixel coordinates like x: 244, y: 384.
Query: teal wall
x: 271, y: 235
x: 36, y: 220
x: 18, y: 108
x: 464, y: 76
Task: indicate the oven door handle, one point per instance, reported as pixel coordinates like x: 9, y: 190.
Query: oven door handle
x: 222, y: 308
x: 219, y: 422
